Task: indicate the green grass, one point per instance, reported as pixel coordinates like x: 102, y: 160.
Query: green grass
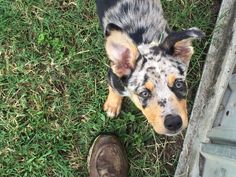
x: 53, y: 85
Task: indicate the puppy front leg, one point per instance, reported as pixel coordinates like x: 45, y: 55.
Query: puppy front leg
x: 113, y: 103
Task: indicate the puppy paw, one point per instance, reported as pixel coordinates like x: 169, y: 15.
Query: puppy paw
x: 113, y: 103
x: 112, y: 107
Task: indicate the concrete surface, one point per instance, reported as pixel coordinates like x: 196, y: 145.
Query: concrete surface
x: 219, y: 66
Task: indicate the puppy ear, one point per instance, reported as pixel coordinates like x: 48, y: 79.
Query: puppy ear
x: 121, y: 50
x: 179, y: 44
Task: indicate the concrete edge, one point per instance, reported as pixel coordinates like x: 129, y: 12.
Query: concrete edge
x: 219, y: 65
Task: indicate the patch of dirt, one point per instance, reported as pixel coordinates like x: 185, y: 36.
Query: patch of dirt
x: 215, y: 9
x: 171, y: 153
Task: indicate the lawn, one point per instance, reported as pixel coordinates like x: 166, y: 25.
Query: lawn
x: 53, y: 85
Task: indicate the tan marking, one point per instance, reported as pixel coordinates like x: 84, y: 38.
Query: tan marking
x: 136, y: 101
x: 184, y: 50
x: 149, y: 85
x: 152, y: 113
x: 113, y: 103
x: 171, y: 80
x: 121, y: 39
x: 181, y: 106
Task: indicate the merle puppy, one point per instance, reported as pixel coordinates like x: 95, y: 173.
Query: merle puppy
x: 148, y: 62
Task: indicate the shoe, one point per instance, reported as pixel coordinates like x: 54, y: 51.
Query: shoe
x: 107, y: 158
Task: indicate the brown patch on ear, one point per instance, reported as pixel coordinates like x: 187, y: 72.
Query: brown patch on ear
x: 171, y: 80
x: 122, y: 51
x: 149, y: 85
x: 184, y: 50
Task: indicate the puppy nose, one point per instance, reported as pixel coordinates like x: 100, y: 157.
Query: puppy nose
x: 173, y: 122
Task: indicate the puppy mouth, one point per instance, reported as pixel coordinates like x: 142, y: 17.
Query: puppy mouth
x: 174, y: 133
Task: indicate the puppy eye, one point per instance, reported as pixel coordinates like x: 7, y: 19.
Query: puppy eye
x: 145, y: 94
x: 179, y: 84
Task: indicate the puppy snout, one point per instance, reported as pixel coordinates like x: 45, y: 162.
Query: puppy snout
x: 173, y: 122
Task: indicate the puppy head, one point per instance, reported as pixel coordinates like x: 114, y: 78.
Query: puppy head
x: 153, y: 76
